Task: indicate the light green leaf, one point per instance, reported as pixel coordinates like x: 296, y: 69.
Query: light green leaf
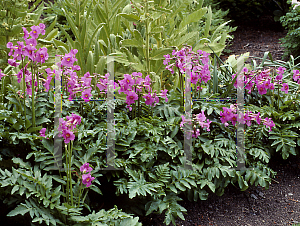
x: 193, y: 17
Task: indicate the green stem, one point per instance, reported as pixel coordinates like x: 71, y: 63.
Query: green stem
x: 278, y: 96
x: 32, y: 97
x: 37, y: 81
x: 84, y: 196
x: 2, y: 91
x: 181, y: 87
x: 254, y: 134
x: 80, y: 189
x: 67, y: 165
x: 70, y: 173
x: 147, y: 40
x: 24, y: 84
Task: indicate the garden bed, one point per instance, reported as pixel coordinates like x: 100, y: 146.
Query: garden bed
x: 278, y: 205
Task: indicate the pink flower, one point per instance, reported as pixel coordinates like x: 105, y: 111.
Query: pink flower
x: 29, y: 51
x: 200, y: 117
x: 31, y: 42
x: 42, y: 28
x: 279, y: 77
x: 86, y: 94
x: 149, y: 99
x: 228, y: 113
x: 249, y: 84
x: 257, y: 118
x: 49, y: 78
x: 285, y: 88
x: 13, y: 62
x: 69, y: 59
x: 261, y: 89
x: 102, y: 85
x: 296, y: 75
x: 35, y: 31
x: 41, y: 55
x: 73, y: 120
x: 269, y: 123
x: 42, y: 132
x: 86, y: 79
x: 194, y: 77
x: 164, y: 94
x: 87, y: 179
x: 281, y: 70
x: 76, y: 68
x: 62, y: 125
x: 128, y: 81
x: 11, y: 46
x: 130, y: 108
x: 196, y: 133
x: 170, y: 68
x: 223, y: 117
x: 26, y: 34
x: 183, y: 120
x: 167, y: 59
x: 247, y: 119
x: 68, y: 135
x: 266, y: 84
x: 19, y: 50
x: 85, y: 168
x: 1, y: 74
x: 234, y: 119
x: 131, y: 97
x: 271, y: 86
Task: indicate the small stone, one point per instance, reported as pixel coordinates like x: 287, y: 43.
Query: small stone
x: 253, y: 196
x: 261, y: 194
x: 290, y: 193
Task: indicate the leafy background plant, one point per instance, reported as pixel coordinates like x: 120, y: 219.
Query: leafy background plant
x: 290, y: 21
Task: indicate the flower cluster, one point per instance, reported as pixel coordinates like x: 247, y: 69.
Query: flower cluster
x: 42, y: 132
x: 133, y: 85
x: 199, y: 119
x: 187, y: 59
x: 67, y: 127
x: 1, y: 74
x: 20, y: 51
x: 262, y: 80
x: 86, y: 176
x: 230, y: 115
x: 296, y: 76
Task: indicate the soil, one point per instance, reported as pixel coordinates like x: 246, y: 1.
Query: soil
x: 278, y: 205
x: 257, y: 38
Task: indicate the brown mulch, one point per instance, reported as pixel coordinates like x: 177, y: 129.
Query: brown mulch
x: 257, y: 40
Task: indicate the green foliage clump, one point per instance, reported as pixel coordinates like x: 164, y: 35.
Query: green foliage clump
x: 15, y: 14
x: 291, y: 23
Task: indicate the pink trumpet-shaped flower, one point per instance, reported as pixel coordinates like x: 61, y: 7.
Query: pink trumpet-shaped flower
x: 85, y: 168
x: 42, y: 132
x: 87, y: 179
